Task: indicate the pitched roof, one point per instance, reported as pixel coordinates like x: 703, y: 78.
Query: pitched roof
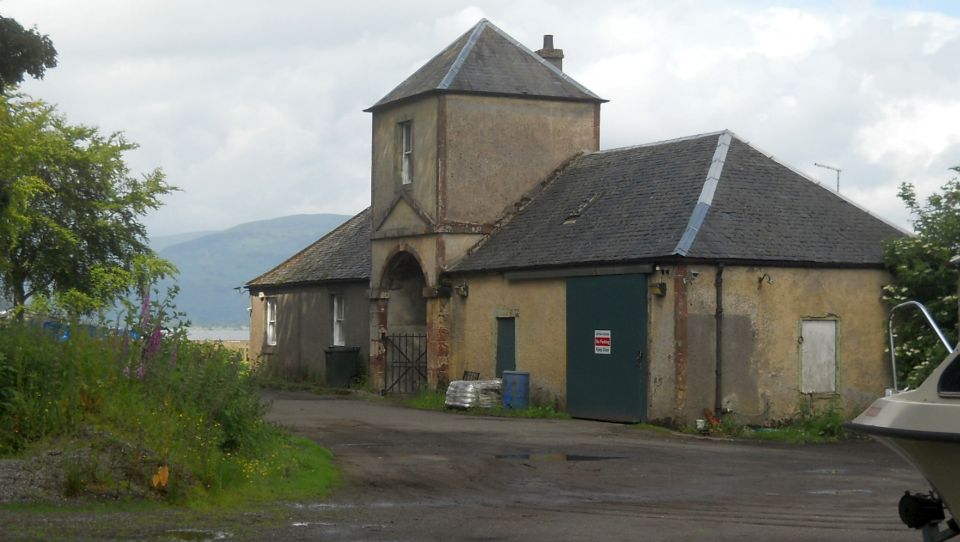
x: 343, y: 254
x: 710, y: 196
x: 486, y: 60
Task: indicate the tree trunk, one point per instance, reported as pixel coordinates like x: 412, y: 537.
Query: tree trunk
x: 19, y: 297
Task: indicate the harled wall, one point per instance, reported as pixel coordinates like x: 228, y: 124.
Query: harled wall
x: 762, y: 311
x: 539, y: 307
x: 305, y: 328
x: 761, y: 334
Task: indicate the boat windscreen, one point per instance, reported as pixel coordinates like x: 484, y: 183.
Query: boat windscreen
x: 949, y: 384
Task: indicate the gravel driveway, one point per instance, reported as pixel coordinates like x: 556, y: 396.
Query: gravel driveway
x: 415, y: 475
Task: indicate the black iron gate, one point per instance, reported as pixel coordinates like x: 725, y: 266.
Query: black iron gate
x: 406, y: 370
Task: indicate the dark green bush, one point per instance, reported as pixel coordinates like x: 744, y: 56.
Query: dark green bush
x: 192, y: 405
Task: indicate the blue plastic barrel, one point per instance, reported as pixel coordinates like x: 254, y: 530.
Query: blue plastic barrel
x: 516, y: 389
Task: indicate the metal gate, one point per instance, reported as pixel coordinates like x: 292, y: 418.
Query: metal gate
x: 406, y: 370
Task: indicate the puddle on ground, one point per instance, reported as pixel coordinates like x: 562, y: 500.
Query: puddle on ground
x: 841, y: 492
x: 198, y: 535
x: 827, y: 471
x: 558, y: 457
x: 309, y: 523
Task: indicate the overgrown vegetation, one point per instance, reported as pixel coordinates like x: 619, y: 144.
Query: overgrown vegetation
x: 434, y: 400
x: 141, y: 411
x: 808, y: 425
x: 921, y: 269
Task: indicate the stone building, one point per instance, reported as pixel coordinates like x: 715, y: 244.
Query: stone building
x: 649, y: 282
x: 315, y: 299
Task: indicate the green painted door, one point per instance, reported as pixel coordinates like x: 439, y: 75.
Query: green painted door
x: 506, y: 345
x: 606, y: 342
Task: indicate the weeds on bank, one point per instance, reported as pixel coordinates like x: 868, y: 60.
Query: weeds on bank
x: 435, y: 400
x: 144, y: 412
x: 809, y: 425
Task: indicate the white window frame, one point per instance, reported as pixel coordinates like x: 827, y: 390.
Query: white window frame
x: 406, y: 152
x: 339, y: 338
x: 270, y: 322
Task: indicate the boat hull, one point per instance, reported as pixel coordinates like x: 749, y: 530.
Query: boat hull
x: 938, y: 462
x: 924, y: 434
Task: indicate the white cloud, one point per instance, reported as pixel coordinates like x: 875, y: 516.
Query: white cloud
x: 910, y: 134
x: 254, y: 108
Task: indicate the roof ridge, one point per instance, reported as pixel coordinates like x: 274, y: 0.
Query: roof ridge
x: 807, y: 177
x: 699, y: 214
x: 464, y: 53
x: 665, y: 141
x: 549, y: 65
x: 346, y: 223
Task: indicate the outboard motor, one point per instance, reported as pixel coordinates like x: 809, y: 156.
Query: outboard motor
x: 918, y: 510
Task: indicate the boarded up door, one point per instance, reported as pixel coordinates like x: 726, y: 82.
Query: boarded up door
x: 818, y: 356
x: 606, y: 338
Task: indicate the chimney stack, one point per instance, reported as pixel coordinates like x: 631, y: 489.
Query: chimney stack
x: 554, y: 56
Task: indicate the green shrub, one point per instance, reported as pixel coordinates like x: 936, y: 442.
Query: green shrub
x: 145, y: 392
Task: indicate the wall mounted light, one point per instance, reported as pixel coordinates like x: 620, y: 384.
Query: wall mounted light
x: 658, y: 289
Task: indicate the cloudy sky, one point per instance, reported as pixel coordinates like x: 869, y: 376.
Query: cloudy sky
x: 254, y: 108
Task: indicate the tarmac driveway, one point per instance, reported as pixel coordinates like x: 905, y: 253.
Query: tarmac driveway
x: 418, y: 475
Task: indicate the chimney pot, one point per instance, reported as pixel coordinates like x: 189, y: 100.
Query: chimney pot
x: 548, y: 41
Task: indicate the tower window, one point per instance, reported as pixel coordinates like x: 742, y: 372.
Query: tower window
x: 406, y: 152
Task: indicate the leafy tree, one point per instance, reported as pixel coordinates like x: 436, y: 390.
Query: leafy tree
x: 72, y: 230
x: 921, y: 268
x: 23, y: 52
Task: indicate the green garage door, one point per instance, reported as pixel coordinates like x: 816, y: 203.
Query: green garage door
x: 606, y: 342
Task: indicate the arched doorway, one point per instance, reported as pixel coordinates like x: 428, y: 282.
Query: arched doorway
x: 403, y: 280
x: 405, y: 340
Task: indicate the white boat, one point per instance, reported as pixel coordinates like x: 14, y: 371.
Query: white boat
x: 923, y: 426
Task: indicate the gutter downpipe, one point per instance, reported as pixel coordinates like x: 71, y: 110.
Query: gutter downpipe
x: 718, y: 395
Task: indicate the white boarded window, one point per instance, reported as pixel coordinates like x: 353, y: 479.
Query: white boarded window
x: 271, y: 322
x: 338, y: 336
x: 406, y: 152
x: 818, y: 356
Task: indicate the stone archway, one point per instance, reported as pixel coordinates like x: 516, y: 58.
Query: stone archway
x: 404, y: 339
x: 403, y: 281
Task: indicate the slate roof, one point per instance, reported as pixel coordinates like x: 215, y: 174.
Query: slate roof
x: 486, y: 60
x: 341, y: 255
x: 636, y: 204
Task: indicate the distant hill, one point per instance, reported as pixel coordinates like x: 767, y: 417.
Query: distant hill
x: 163, y: 241
x: 213, y: 264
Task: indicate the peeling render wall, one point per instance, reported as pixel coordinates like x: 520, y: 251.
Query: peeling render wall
x: 539, y: 307
x: 763, y: 308
x: 305, y: 328
x: 500, y: 148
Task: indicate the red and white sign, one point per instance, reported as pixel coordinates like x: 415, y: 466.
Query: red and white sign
x: 602, y: 341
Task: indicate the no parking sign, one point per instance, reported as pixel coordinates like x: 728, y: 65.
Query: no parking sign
x: 602, y: 341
